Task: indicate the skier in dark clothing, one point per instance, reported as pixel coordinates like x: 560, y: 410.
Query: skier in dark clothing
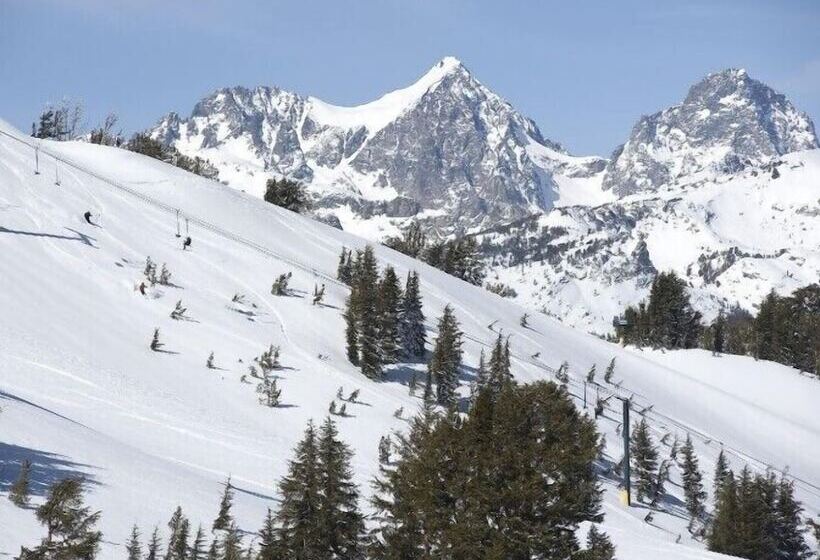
x: 186, y: 243
x: 142, y: 287
x: 87, y: 217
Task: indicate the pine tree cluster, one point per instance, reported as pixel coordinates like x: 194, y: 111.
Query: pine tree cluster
x: 287, y: 194
x: 382, y: 322
x: 458, y: 257
x: 511, y: 479
x: 667, y: 320
x: 757, y: 517
x: 445, y: 361
x: 142, y: 143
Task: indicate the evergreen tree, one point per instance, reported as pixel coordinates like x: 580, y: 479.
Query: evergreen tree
x: 599, y: 547
x: 562, y: 373
x: 69, y: 525
x: 644, y: 460
x: 366, y: 313
x: 231, y: 546
x: 179, y: 312
x: 178, y: 536
x: 482, y: 378
x: 339, y: 521
x: 692, y: 482
x: 788, y: 530
x: 268, y: 549
x: 351, y: 333
x: 498, y: 368
x: 287, y: 194
x: 197, y: 549
x: 19, y: 491
x: 280, y: 285
x: 269, y: 393
x: 133, y: 548
x: 224, y: 518
x: 719, y: 334
x: 389, y: 306
x: 610, y: 371
x: 156, y: 345
x: 297, y: 517
x: 478, y: 486
x: 591, y: 374
x: 446, y: 359
x: 411, y: 319
x: 164, y: 276
x: 722, y: 472
x: 344, y: 271
x: 153, y: 546
x: 427, y: 396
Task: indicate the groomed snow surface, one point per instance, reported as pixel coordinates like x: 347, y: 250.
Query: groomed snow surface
x: 82, y: 393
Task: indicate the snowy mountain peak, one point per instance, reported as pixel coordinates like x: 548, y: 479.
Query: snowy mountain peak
x: 445, y: 149
x: 727, y: 121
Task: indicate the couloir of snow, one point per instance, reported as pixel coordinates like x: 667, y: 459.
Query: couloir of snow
x: 81, y: 393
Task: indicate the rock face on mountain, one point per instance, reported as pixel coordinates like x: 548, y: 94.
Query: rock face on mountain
x: 703, y: 180
x: 446, y: 150
x: 727, y: 121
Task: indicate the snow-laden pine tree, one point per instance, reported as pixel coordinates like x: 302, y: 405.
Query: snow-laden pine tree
x: 269, y: 393
x: 154, y: 545
x: 197, y: 550
x: 599, y: 547
x: 224, y: 519
x: 446, y: 359
x: 644, y: 456
x: 610, y: 371
x: 498, y: 367
x: 178, y: 530
x: 411, y: 319
x: 133, y: 548
x: 388, y: 308
x: 692, y: 483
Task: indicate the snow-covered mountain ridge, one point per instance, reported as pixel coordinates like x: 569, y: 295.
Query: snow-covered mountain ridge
x: 446, y: 150
x: 693, y: 189
x: 82, y: 393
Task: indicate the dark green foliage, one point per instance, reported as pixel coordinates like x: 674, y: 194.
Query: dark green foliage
x: 787, y: 329
x: 19, y: 491
x: 719, y: 334
x: 757, y: 517
x: 388, y: 309
x: 692, y: 482
x: 459, y: 257
x: 512, y: 479
x: 142, y: 143
x: 498, y: 368
x: 411, y: 319
x: 299, y: 509
x: 667, y: 320
x: 722, y: 473
x: 60, y: 122
x: 224, y: 518
x: 351, y: 332
x: 610, y: 371
x: 178, y: 530
x: 268, y: 546
x: 413, y: 241
x: 339, y: 521
x: 644, y: 457
x: 344, y: 272
x: 319, y: 516
x: 446, y: 359
x: 287, y: 194
x: 599, y: 547
x: 230, y: 548
x: 70, y: 532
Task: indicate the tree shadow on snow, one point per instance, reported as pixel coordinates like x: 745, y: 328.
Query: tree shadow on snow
x: 81, y: 237
x: 46, y: 468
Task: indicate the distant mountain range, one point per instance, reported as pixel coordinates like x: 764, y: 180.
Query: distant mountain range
x: 695, y: 188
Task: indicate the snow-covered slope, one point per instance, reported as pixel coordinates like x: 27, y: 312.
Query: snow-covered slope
x: 445, y: 150
x: 733, y: 239
x: 82, y: 393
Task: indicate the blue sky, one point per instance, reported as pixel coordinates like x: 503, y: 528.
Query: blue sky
x: 583, y: 70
